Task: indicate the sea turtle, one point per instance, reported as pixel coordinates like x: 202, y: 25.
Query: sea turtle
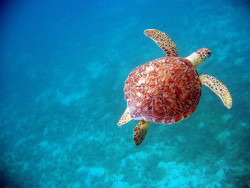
x: 168, y: 89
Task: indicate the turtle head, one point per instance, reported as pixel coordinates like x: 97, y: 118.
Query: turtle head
x: 204, y: 53
x: 199, y: 56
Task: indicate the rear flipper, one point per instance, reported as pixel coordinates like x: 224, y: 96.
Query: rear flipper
x: 140, y: 131
x: 217, y: 87
x: 125, y: 117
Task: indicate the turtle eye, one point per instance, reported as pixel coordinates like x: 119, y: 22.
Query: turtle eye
x: 209, y: 54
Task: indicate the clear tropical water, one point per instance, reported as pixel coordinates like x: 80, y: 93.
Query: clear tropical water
x: 62, y: 70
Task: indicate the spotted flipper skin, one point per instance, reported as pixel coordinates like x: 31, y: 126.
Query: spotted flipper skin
x: 217, y: 87
x: 140, y: 131
x: 125, y: 118
x: 163, y: 41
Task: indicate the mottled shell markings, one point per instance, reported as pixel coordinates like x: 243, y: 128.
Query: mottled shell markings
x: 165, y: 90
x: 217, y: 87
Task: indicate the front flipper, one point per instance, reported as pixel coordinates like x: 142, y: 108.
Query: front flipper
x: 217, y: 87
x: 125, y: 117
x: 163, y: 41
x: 140, y: 131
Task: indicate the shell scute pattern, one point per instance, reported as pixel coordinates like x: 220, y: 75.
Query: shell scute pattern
x: 165, y: 90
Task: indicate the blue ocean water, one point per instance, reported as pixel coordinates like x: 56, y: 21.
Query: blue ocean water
x: 62, y: 70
